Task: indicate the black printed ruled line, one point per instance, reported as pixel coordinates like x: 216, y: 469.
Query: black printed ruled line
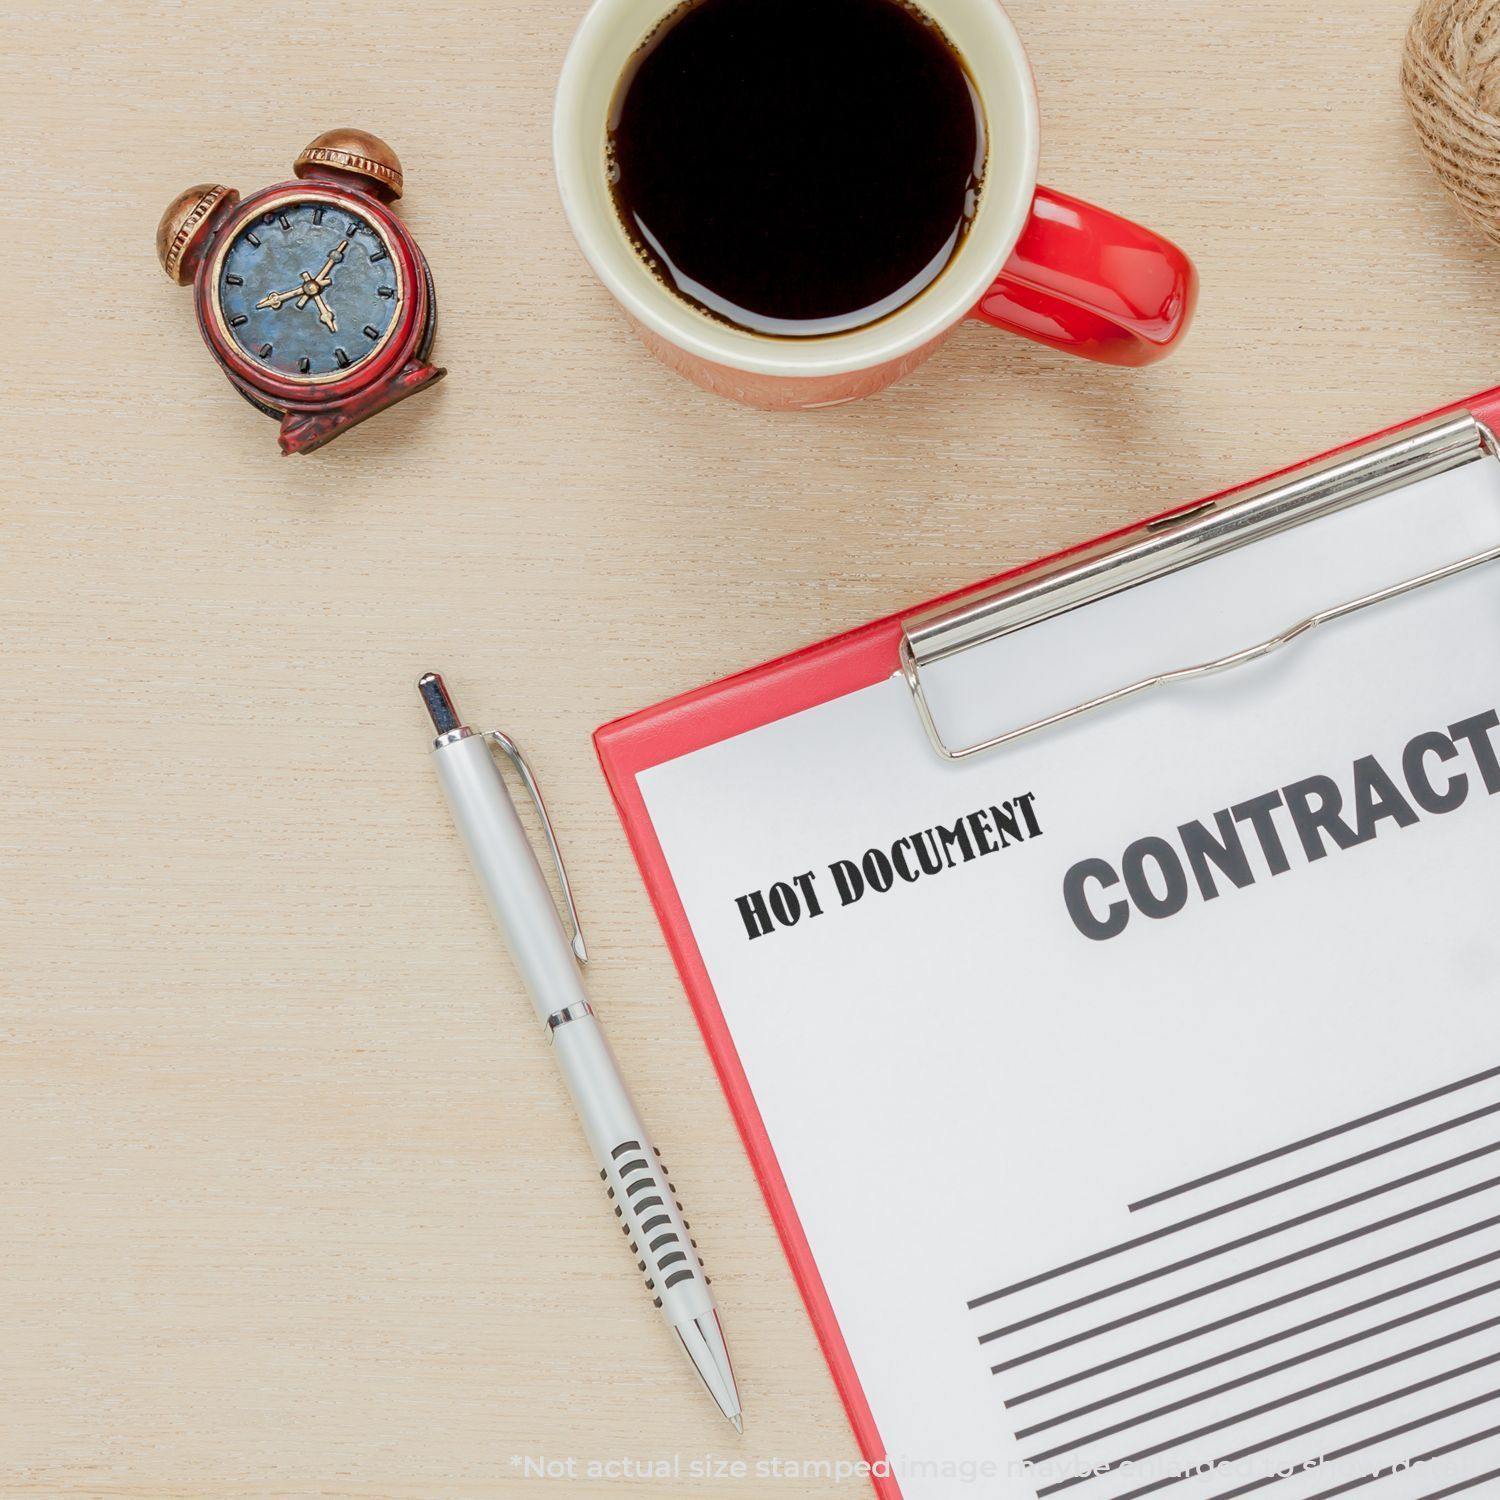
x: 1384, y: 1471
x: 1337, y: 1453
x: 1271, y: 1192
x: 1316, y: 1140
x: 1238, y: 1317
x: 1203, y: 1256
x: 1311, y: 1215
x: 1344, y: 1377
x: 1373, y: 1404
x: 1467, y: 1484
x: 1207, y: 1393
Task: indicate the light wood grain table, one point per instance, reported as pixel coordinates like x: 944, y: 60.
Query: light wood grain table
x: 292, y: 1201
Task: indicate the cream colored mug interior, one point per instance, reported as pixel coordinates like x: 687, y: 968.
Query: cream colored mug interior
x: 601, y: 51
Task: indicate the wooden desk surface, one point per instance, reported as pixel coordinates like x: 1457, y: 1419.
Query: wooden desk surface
x: 293, y: 1202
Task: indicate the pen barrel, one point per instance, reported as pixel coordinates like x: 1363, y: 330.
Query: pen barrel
x: 633, y: 1173
x: 509, y: 875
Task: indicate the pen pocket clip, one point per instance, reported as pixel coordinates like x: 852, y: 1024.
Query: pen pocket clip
x: 512, y: 752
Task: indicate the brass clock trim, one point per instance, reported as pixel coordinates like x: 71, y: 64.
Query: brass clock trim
x: 185, y: 219
x: 333, y: 200
x: 354, y: 151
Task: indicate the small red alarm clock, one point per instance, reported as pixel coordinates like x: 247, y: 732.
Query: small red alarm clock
x: 312, y: 295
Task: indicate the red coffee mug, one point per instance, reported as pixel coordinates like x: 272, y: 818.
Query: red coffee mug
x: 1035, y: 262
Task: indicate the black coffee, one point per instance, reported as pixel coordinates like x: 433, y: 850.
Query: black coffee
x: 797, y: 167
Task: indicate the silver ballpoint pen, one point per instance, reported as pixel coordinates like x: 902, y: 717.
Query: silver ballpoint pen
x: 549, y: 961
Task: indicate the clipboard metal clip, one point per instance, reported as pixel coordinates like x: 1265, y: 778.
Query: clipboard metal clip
x: 1177, y: 540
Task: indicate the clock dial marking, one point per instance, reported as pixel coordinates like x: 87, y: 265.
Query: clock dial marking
x: 284, y: 299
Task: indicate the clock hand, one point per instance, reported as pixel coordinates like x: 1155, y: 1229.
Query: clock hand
x: 325, y: 313
x: 326, y: 274
x: 311, y: 290
x: 274, y: 300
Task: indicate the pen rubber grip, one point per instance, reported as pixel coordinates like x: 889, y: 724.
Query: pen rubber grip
x: 635, y: 1178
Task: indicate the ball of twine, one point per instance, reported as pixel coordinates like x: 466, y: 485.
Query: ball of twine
x: 1451, y: 78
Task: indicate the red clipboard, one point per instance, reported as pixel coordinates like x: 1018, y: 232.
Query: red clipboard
x: 817, y: 674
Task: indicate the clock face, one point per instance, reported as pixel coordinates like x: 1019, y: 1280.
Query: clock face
x: 308, y: 289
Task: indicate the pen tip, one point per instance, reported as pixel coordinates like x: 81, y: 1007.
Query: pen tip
x: 440, y: 707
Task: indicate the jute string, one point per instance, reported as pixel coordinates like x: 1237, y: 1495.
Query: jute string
x: 1451, y: 78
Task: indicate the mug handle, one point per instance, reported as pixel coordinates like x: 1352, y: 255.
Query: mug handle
x: 1090, y: 283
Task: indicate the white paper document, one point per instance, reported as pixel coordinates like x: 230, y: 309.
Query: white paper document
x: 1138, y: 1085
